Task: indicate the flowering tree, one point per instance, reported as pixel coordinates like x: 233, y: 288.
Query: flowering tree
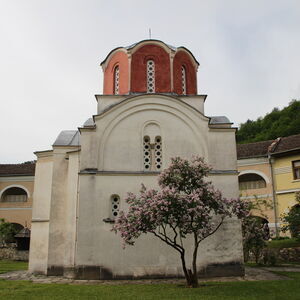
x: 255, y: 234
x: 255, y: 228
x: 185, y: 205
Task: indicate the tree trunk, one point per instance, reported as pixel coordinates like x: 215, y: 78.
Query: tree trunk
x: 191, y: 276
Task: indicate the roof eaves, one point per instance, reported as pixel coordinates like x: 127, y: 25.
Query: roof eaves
x: 146, y: 94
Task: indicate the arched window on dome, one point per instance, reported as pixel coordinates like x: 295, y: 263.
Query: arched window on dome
x: 116, y: 80
x: 150, y: 76
x: 183, y: 80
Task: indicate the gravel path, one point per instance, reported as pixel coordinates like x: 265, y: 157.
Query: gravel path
x: 252, y: 274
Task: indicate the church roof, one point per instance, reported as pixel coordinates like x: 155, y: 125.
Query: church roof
x: 219, y: 120
x: 68, y: 138
x: 173, y: 48
x: 24, y: 169
x: 89, y: 122
x: 133, y: 45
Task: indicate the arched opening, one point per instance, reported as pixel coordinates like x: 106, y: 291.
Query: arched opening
x: 251, y: 181
x: 14, y: 194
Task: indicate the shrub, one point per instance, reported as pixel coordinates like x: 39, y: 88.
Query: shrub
x: 292, y: 220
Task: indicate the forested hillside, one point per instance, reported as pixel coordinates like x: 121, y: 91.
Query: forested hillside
x: 278, y: 123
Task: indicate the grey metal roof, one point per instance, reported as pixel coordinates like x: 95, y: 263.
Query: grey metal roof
x: 153, y: 40
x: 219, y: 120
x: 89, y: 122
x: 68, y: 138
x: 133, y: 45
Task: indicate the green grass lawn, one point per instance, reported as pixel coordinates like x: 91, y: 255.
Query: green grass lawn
x: 266, y: 290
x: 8, y: 266
x: 286, y: 243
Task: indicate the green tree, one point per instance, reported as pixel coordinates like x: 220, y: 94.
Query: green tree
x: 7, y: 231
x: 277, y: 123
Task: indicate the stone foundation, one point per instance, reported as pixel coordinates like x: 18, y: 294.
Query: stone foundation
x: 102, y: 273
x: 14, y: 254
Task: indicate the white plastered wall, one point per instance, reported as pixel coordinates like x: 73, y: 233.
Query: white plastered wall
x: 117, y: 140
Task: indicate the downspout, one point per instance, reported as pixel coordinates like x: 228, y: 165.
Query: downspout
x: 274, y: 195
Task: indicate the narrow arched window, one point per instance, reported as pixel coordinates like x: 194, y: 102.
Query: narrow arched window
x: 152, y: 154
x: 116, y: 80
x: 157, y: 153
x: 183, y: 80
x: 150, y: 76
x: 147, y: 153
x: 115, y: 205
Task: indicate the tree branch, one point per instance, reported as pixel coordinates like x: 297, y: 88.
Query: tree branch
x: 211, y: 233
x: 163, y: 238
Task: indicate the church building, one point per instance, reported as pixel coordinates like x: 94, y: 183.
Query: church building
x: 150, y: 111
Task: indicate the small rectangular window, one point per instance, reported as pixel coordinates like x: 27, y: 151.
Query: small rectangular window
x: 296, y: 169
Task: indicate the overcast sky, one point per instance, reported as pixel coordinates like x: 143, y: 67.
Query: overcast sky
x: 50, y: 51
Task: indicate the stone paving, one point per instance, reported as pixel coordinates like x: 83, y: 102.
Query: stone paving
x: 252, y: 274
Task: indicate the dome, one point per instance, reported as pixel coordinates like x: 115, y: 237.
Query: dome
x: 150, y: 66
